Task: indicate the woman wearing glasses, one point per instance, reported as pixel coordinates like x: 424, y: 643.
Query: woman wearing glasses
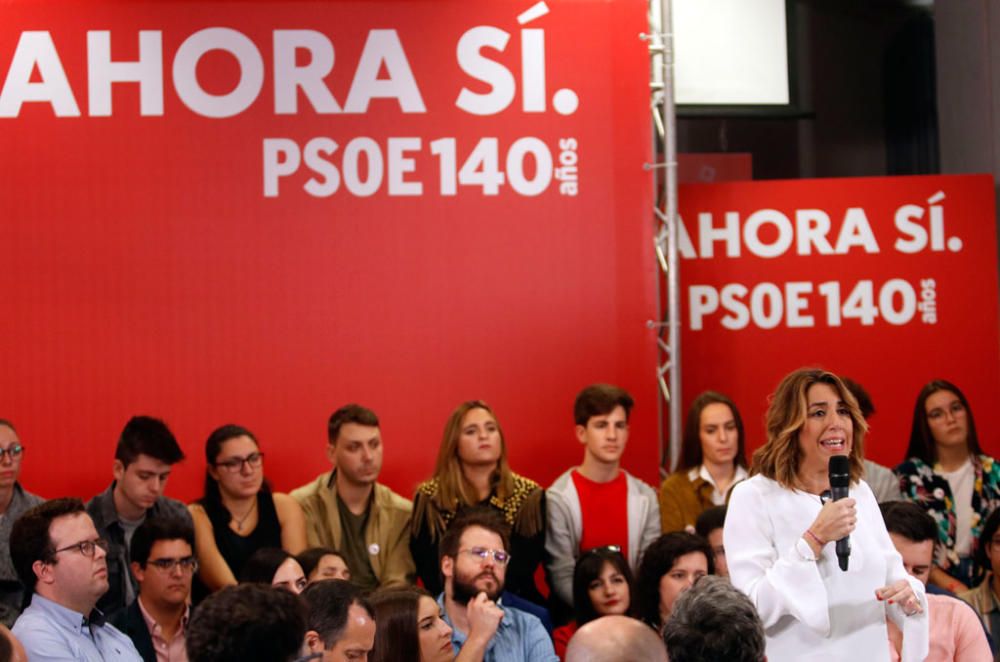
x: 602, y: 586
x: 238, y: 513
x: 472, y: 470
x: 948, y: 475
x: 14, y: 501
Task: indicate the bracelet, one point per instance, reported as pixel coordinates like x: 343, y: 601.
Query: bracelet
x: 812, y: 535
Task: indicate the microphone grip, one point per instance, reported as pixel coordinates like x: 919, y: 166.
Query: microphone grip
x: 843, y: 552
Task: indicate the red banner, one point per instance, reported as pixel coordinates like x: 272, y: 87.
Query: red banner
x: 256, y: 212
x: 889, y: 281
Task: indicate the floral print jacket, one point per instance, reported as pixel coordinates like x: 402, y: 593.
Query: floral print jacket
x: 919, y: 483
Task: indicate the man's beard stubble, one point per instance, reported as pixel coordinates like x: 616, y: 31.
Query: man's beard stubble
x: 462, y: 591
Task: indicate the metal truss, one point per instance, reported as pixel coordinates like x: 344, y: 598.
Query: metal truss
x: 664, y: 171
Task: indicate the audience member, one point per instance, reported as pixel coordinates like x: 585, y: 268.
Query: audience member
x: 274, y: 566
x: 884, y: 483
x: 598, y: 503
x: 712, y: 460
x: 163, y: 564
x: 14, y: 500
x: 146, y: 452
x: 985, y: 598
x: 340, y: 623
x: 602, y: 586
x: 348, y: 510
x: 714, y: 621
x: 472, y: 469
x: 61, y: 561
x: 670, y: 566
x: 238, y: 513
x: 955, y: 632
x: 247, y: 622
x: 616, y: 639
x: 949, y: 476
x: 319, y: 563
x: 474, y: 560
x: 709, y: 526
x: 409, y: 628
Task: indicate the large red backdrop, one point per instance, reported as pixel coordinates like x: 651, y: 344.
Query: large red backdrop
x: 285, y: 207
x: 891, y: 281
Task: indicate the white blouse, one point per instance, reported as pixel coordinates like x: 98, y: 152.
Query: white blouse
x: 812, y: 610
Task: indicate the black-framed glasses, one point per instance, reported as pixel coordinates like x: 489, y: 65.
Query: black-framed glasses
x: 167, y: 565
x: 500, y: 557
x: 235, y: 464
x: 14, y: 452
x: 86, y: 547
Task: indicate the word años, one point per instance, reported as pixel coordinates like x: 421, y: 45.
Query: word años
x: 769, y: 306
x: 364, y: 167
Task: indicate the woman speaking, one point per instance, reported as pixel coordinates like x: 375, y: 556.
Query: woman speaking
x: 781, y: 532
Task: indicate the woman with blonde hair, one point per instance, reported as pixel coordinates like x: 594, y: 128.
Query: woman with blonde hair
x: 781, y: 531
x: 472, y: 470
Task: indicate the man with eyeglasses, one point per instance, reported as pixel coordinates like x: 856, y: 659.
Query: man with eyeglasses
x: 146, y: 452
x: 62, y: 563
x: 163, y: 563
x: 14, y: 500
x: 348, y: 510
x: 474, y: 559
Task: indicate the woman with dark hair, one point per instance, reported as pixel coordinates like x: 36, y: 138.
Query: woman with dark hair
x: 947, y: 473
x: 410, y: 628
x: 602, y: 586
x: 238, y: 513
x: 712, y: 460
x: 984, y: 597
x: 670, y: 566
x: 782, y: 526
x: 319, y: 563
x: 472, y: 470
x: 274, y: 566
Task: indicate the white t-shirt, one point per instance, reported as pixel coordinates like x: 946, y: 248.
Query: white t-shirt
x: 962, y: 482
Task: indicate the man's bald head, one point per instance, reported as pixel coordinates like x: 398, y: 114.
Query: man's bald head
x: 615, y: 639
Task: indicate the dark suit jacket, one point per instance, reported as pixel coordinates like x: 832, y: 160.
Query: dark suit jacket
x: 131, y: 622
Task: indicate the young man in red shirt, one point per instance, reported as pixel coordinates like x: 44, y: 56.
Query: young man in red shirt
x: 598, y: 504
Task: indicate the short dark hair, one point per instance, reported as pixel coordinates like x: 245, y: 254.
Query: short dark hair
x: 922, y: 444
x: 588, y: 568
x: 145, y: 435
x: 907, y: 519
x: 714, y: 621
x: 657, y: 561
x: 865, y: 403
x: 247, y: 622
x: 327, y: 603
x: 599, y: 400
x: 310, y: 558
x: 481, y: 516
x: 351, y: 413
x: 4, y: 421
x: 711, y: 519
x: 691, y: 453
x: 262, y: 565
x: 155, y: 529
x: 396, y: 635
x: 990, y: 526
x: 30, y: 540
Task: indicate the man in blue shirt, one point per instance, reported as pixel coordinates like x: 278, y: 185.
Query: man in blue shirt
x: 62, y: 562
x: 474, y: 558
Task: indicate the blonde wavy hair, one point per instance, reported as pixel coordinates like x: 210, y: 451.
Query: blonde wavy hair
x: 453, y: 489
x: 779, y: 458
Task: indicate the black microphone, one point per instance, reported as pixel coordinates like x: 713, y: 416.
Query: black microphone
x: 840, y: 481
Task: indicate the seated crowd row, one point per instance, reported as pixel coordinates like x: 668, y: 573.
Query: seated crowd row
x: 590, y: 530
